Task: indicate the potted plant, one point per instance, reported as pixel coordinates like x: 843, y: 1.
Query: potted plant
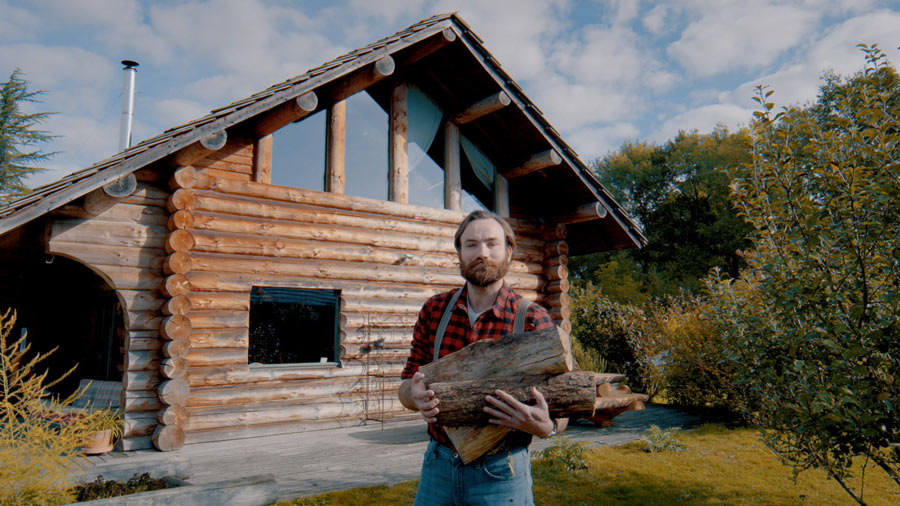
x: 102, y: 429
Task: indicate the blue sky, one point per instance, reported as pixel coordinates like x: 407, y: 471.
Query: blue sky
x: 603, y: 72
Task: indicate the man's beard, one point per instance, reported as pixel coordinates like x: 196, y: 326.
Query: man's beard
x: 484, y: 272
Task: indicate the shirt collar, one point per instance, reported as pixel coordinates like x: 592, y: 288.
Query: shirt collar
x: 500, y: 303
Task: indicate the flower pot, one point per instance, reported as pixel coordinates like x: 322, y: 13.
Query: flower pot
x: 98, y: 442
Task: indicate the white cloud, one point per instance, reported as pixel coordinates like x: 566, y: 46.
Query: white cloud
x: 176, y: 111
x: 596, y: 141
x: 739, y: 35
x: 18, y: 24
x: 655, y: 20
x: 703, y: 119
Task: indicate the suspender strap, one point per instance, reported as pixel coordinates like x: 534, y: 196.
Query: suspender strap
x: 442, y: 326
x: 521, y: 312
x: 518, y: 324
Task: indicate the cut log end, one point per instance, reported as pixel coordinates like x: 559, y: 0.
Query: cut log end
x: 167, y: 438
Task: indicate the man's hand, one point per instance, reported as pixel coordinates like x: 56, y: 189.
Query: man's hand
x: 507, y: 411
x: 415, y: 396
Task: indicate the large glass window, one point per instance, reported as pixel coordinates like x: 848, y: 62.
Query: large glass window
x: 477, y: 175
x: 294, y: 326
x: 424, y: 149
x: 366, y: 155
x: 298, y: 154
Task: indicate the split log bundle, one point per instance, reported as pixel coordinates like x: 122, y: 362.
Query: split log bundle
x: 462, y: 402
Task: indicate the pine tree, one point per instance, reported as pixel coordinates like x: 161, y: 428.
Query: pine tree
x: 18, y: 137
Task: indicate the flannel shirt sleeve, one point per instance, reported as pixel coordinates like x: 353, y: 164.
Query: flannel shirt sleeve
x: 538, y: 318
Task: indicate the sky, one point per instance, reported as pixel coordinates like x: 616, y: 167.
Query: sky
x: 603, y: 72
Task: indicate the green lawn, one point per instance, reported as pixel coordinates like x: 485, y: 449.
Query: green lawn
x: 717, y: 466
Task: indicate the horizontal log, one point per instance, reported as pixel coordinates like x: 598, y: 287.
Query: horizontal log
x: 201, y: 301
x: 177, y: 305
x: 136, y: 443
x: 183, y: 177
x: 122, y: 212
x: 286, y: 412
x: 173, y: 368
x: 141, y: 360
x: 176, y: 348
x: 175, y: 327
x: 172, y: 415
x: 175, y: 285
x: 199, y: 149
x: 138, y: 424
x: 538, y: 161
x: 483, y: 107
x: 462, y: 403
x: 174, y: 392
x: 287, y: 113
x: 307, y: 391
x: 179, y: 240
x: 219, y: 319
x: 560, y: 313
x: 167, y: 438
x: 206, y: 357
x: 565, y: 324
x: 108, y: 233
x: 140, y: 300
x: 101, y: 199
x: 143, y: 344
x: 224, y: 173
x: 142, y: 402
x: 345, y: 270
x: 219, y: 338
x: 556, y: 286
x: 142, y: 320
x: 620, y: 402
x: 258, y: 375
x: 556, y: 248
x: 361, y: 79
x: 177, y: 263
x: 373, y: 321
x: 180, y: 219
x: 556, y: 272
x: 555, y: 261
x: 556, y: 299
x: 377, y: 305
x: 545, y: 351
x: 182, y: 199
x: 271, y: 429
x: 554, y: 232
x: 237, y: 169
x: 587, y: 212
x: 141, y: 380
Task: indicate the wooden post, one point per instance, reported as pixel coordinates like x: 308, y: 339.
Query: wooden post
x: 399, y: 187
x: 335, y: 119
x: 501, y: 195
x: 483, y: 107
x: 262, y: 159
x: 452, y: 179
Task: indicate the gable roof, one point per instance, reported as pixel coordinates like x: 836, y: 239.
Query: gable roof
x: 522, y: 125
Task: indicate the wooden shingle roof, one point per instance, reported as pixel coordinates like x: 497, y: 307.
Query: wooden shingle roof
x: 51, y: 196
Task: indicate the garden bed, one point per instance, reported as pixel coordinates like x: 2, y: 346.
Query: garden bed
x: 249, y: 491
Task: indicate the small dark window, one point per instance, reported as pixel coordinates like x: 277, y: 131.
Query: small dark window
x: 294, y: 325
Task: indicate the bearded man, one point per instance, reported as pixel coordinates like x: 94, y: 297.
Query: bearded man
x: 484, y: 308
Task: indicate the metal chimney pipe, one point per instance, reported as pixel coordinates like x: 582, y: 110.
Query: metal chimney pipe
x: 127, y: 103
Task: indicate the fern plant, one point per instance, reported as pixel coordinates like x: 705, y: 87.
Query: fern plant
x: 571, y: 455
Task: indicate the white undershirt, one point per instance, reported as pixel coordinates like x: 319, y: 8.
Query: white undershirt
x: 472, y: 314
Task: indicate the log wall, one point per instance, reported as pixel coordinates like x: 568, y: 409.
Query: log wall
x: 126, y: 245
x: 184, y: 259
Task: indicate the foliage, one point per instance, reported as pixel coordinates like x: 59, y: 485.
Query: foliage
x: 101, y: 489
x: 662, y: 440
x: 568, y: 454
x: 587, y: 358
x: 718, y: 466
x: 679, y: 192
x: 812, y: 326
x: 18, y: 136
x: 38, y: 444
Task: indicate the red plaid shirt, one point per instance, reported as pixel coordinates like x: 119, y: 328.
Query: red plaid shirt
x: 494, y: 323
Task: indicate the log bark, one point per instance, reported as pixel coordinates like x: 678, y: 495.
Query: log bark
x: 120, y: 256
x: 174, y: 285
x: 462, y: 402
x: 399, y: 182
x: 174, y: 392
x: 586, y: 212
x: 204, y: 301
x: 141, y: 380
x: 452, y: 175
x: 167, y: 438
x: 501, y: 196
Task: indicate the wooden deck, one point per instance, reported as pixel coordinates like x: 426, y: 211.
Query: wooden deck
x: 313, y: 462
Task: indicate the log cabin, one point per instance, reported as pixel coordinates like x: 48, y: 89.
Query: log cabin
x: 258, y: 270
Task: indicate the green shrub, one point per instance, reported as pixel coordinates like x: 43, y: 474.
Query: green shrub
x: 566, y: 453
x: 102, y: 489
x: 658, y: 440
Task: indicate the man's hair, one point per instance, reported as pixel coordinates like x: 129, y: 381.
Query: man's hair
x: 481, y: 214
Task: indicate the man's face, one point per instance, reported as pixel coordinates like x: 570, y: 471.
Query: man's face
x: 483, y: 254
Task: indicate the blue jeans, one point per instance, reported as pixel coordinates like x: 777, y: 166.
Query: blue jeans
x: 504, y: 478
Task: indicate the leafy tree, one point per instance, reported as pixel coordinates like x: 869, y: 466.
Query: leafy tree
x: 680, y: 193
x: 813, y: 325
x: 18, y: 136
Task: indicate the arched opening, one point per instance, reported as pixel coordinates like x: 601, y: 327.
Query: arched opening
x: 63, y: 304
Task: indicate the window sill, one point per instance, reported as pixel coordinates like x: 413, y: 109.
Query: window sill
x: 299, y: 366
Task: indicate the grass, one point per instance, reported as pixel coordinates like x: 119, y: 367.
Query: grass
x: 717, y: 466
